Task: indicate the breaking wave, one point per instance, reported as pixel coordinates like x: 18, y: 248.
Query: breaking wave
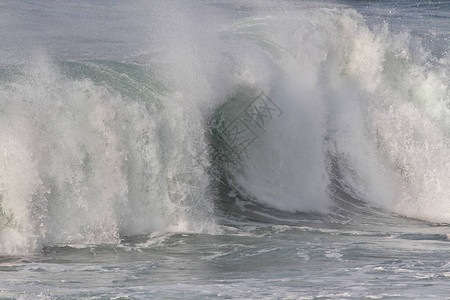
x: 92, y: 150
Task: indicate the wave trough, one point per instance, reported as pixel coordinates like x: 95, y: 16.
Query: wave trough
x: 92, y: 151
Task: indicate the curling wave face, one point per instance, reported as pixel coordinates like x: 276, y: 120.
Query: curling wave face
x: 95, y: 150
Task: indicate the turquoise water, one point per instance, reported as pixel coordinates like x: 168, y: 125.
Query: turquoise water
x: 269, y: 150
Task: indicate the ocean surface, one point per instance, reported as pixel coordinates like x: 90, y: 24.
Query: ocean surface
x: 224, y: 149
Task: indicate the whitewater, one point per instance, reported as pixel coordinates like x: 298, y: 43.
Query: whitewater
x: 224, y: 149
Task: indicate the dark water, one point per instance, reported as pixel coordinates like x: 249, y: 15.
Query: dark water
x: 289, y: 150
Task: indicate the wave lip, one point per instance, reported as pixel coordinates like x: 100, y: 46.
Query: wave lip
x: 361, y: 99
x: 96, y: 150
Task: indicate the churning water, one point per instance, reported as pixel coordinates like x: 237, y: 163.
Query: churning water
x: 224, y: 149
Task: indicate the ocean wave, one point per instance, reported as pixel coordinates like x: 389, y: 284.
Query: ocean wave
x: 309, y: 114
